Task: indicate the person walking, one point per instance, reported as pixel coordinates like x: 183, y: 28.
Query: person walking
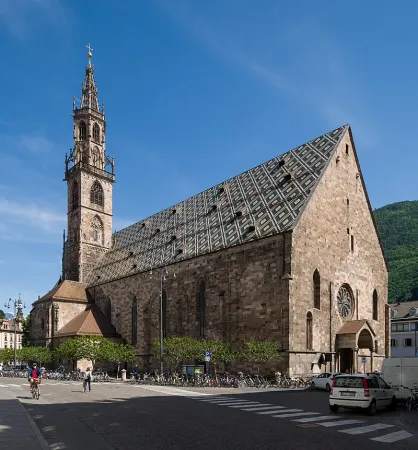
x: 87, y: 379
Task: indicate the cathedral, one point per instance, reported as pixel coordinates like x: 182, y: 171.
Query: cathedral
x: 288, y: 251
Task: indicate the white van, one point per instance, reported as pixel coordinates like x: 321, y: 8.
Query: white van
x: 400, y: 373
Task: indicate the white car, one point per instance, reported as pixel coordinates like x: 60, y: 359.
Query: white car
x: 369, y: 392
x: 324, y: 381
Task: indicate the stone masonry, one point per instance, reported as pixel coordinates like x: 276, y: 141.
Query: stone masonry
x: 339, y: 208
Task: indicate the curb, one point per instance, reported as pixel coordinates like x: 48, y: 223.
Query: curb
x: 42, y: 441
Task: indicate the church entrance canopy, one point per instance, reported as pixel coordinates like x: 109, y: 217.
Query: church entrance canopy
x: 351, y: 337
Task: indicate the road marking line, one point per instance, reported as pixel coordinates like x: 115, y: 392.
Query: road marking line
x: 296, y: 414
x: 368, y: 429
x: 314, y: 419
x: 221, y: 402
x: 241, y: 403
x: 246, y: 404
x: 215, y: 399
x: 259, y: 407
x: 393, y: 437
x: 340, y: 422
x: 174, y: 391
x: 280, y: 409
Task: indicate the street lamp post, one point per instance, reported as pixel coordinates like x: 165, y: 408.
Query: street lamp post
x: 163, y: 276
x: 17, y: 317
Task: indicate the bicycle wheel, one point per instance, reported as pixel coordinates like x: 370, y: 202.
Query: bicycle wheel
x: 37, y: 393
x: 408, y: 404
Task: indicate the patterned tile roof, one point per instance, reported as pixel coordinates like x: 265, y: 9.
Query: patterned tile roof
x: 66, y: 290
x: 261, y: 202
x: 92, y: 321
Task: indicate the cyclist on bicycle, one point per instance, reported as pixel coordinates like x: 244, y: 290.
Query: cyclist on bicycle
x: 34, y: 375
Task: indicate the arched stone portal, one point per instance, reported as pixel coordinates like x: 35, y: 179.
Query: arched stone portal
x: 353, y: 336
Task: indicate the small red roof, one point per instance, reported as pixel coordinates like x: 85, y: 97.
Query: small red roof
x: 353, y: 327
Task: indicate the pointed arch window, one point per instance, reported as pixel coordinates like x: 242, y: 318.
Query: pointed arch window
x: 316, y: 290
x: 309, y: 331
x: 164, y: 313
x: 97, y: 230
x: 201, y: 309
x: 375, y: 306
x: 96, y: 157
x: 82, y: 131
x: 96, y: 194
x: 134, y: 319
x: 96, y: 133
x: 74, y: 195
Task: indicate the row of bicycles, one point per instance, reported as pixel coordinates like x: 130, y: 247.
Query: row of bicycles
x: 221, y: 380
x: 75, y: 375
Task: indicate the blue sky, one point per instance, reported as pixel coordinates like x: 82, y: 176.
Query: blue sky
x: 195, y: 92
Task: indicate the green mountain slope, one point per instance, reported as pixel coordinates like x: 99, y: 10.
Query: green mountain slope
x: 398, y: 228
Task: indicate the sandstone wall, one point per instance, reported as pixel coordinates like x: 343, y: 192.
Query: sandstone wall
x: 337, y: 211
x: 245, y: 297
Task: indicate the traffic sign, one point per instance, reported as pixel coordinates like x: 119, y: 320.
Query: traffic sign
x: 363, y: 360
x: 208, y: 354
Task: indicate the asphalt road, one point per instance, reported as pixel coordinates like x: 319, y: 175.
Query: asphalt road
x: 120, y: 416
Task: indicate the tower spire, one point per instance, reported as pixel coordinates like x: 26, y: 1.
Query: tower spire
x: 89, y: 96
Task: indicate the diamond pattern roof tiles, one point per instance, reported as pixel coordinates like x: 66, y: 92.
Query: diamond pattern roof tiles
x: 269, y: 197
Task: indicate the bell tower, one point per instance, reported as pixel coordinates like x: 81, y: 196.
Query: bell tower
x: 89, y: 174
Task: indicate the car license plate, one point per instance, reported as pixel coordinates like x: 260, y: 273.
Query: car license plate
x: 347, y: 394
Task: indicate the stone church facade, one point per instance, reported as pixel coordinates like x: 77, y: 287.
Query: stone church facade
x: 287, y: 251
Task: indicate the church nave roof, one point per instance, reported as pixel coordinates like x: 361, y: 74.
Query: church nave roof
x: 258, y: 203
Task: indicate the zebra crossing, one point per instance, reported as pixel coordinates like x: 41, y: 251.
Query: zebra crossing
x: 353, y: 427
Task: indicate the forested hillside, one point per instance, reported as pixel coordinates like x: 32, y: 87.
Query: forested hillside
x: 398, y: 227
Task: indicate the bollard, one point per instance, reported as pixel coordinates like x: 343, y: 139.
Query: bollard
x: 123, y: 371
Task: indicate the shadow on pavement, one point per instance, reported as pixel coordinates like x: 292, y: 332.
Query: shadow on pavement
x: 175, y: 422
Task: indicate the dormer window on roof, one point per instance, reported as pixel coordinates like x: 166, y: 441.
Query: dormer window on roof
x: 281, y: 163
x: 173, y: 211
x: 238, y: 213
x: 157, y: 230
x: 221, y: 190
x: 288, y: 177
x: 174, y: 237
x: 214, y: 207
x: 251, y: 229
x: 413, y: 312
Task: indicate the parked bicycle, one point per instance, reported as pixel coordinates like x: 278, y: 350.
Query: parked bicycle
x: 412, y: 401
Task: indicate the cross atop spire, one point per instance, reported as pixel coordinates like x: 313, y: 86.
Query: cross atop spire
x: 89, y: 53
x: 89, y: 96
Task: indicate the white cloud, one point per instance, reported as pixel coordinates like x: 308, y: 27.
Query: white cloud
x: 328, y: 87
x: 29, y: 222
x: 36, y: 143
x: 19, y: 16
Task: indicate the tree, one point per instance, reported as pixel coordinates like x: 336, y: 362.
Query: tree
x: 93, y: 348
x: 39, y: 354
x: 178, y: 349
x: 220, y: 352
x: 26, y: 336
x: 118, y: 354
x: 6, y: 355
x: 2, y: 314
x: 259, y: 352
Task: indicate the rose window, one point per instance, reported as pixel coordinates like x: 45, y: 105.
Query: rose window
x: 345, y: 302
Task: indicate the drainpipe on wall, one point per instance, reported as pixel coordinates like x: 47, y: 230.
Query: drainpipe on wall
x: 330, y: 322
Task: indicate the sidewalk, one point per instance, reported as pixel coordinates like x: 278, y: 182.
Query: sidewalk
x: 18, y: 431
